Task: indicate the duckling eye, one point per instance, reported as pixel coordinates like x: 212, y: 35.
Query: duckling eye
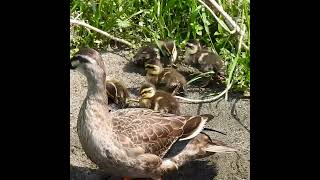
x: 188, y: 45
x: 145, y: 92
x: 149, y: 67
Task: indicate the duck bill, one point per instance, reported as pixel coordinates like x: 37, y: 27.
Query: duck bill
x: 74, y: 62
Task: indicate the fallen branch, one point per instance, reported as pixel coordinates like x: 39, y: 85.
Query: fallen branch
x: 236, y: 27
x: 81, y: 23
x: 204, y: 100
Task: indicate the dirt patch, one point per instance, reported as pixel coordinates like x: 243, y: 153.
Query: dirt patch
x: 233, y: 118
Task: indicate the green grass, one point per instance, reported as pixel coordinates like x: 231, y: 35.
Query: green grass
x: 140, y: 21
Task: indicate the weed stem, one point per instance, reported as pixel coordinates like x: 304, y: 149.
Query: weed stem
x: 205, y: 100
x: 236, y: 27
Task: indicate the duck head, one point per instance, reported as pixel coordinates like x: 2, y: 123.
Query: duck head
x: 89, y: 63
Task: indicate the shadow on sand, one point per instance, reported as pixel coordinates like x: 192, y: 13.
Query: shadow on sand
x: 191, y: 171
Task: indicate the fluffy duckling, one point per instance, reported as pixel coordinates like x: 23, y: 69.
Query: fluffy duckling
x: 204, y: 59
x: 158, y: 100
x: 168, y: 51
x: 117, y: 93
x: 167, y: 79
x: 172, y: 81
x: 165, y: 51
x: 153, y: 68
x: 146, y: 53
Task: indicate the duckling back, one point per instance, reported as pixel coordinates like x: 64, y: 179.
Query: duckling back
x: 204, y: 59
x: 165, y: 103
x: 209, y: 61
x: 172, y: 81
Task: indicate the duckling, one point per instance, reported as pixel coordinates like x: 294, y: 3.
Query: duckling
x: 145, y: 53
x: 153, y: 68
x: 117, y: 93
x: 158, y: 100
x: 167, y: 79
x: 172, y: 81
x: 168, y: 51
x: 165, y: 50
x: 204, y: 59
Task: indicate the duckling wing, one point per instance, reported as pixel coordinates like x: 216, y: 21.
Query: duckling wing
x: 153, y: 131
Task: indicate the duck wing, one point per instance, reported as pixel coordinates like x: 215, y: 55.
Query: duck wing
x: 154, y: 132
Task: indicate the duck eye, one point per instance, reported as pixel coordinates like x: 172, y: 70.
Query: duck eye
x: 82, y: 60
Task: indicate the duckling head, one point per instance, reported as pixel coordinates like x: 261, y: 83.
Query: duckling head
x: 170, y: 49
x: 147, y: 91
x: 193, y: 47
x: 153, y: 67
x: 89, y: 63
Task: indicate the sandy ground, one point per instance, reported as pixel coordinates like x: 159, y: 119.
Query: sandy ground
x: 233, y: 117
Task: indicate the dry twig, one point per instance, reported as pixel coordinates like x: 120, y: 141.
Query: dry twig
x: 81, y: 23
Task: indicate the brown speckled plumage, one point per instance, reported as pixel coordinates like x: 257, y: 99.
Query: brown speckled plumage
x: 197, y: 148
x: 153, y: 131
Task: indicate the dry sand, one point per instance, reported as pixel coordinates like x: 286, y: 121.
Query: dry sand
x: 233, y: 117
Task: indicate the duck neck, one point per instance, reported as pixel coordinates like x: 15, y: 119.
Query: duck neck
x: 95, y: 107
x: 97, y: 90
